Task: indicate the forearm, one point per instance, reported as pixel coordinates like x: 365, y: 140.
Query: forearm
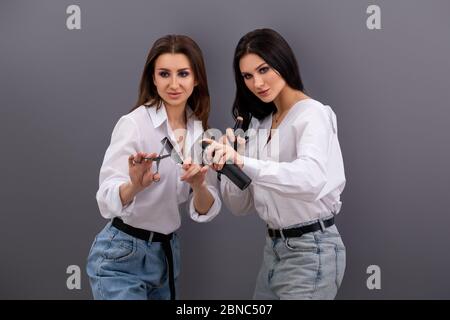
x: 127, y: 193
x: 203, y: 199
x: 303, y: 178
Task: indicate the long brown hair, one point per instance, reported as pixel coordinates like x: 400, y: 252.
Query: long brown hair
x: 199, y: 100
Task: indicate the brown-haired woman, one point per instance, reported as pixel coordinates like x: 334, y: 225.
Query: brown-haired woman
x: 137, y: 254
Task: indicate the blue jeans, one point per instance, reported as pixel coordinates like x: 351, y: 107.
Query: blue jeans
x: 308, y: 267
x: 122, y: 267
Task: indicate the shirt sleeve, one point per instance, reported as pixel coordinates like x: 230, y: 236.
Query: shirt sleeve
x: 211, y: 182
x: 239, y: 202
x: 306, y: 176
x: 114, y: 171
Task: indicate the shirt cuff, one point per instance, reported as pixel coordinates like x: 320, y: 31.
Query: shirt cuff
x: 212, y: 212
x: 251, y: 167
x: 122, y: 210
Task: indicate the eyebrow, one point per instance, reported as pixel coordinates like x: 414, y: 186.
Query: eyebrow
x: 255, y: 68
x: 165, y: 69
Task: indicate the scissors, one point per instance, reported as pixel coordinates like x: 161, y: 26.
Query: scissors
x: 168, y: 146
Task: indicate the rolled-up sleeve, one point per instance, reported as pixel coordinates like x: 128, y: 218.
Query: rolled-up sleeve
x: 306, y: 176
x: 114, y: 171
x: 211, y: 182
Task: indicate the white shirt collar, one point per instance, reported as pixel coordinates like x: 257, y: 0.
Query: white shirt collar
x: 158, y: 116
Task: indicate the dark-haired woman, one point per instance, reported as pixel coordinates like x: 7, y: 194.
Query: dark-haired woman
x: 137, y: 254
x: 294, y: 159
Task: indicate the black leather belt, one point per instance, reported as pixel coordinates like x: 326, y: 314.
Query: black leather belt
x: 299, y: 231
x: 155, y: 237
x: 141, y: 233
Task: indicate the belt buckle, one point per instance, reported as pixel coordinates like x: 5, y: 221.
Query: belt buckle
x: 286, y: 241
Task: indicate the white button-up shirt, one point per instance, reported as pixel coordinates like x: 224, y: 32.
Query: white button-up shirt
x: 298, y: 175
x: 157, y: 207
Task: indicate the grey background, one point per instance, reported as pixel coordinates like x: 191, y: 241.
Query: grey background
x: 61, y: 93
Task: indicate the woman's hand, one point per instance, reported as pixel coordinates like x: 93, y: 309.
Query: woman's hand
x: 194, y: 174
x: 140, y: 170
x: 224, y: 152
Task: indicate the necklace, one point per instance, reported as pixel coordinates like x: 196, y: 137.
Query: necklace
x: 278, y: 117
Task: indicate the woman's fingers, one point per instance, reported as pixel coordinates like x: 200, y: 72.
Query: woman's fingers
x: 131, y: 161
x: 209, y: 141
x: 138, y: 157
x: 148, y: 163
x: 209, y: 153
x: 192, y: 171
x: 218, y: 155
x: 151, y: 155
x: 221, y: 162
x: 203, y: 171
x: 241, y: 141
x: 240, y: 145
x: 187, y: 163
x: 147, y: 177
x: 230, y: 135
x: 223, y: 139
x: 148, y: 167
x: 140, y: 165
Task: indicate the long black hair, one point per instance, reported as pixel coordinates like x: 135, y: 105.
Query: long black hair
x: 276, y: 52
